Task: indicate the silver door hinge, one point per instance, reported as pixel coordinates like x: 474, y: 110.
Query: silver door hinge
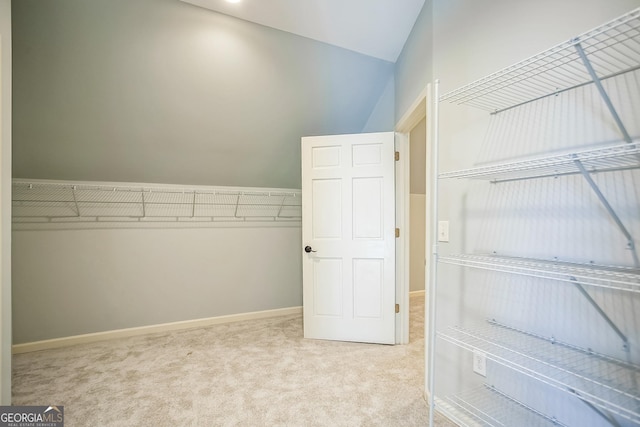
x: 397, y: 308
x: 397, y: 156
x: 397, y: 232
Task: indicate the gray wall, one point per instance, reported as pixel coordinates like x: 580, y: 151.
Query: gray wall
x: 537, y: 218
x: 163, y: 91
x: 71, y: 282
x: 5, y: 203
x: 418, y: 156
x: 417, y: 242
x: 413, y: 67
x: 417, y: 211
x: 382, y: 118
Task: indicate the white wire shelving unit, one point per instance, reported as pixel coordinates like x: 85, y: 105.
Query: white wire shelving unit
x: 613, y: 49
x: 608, y: 51
x: 603, y: 159
x: 488, y: 406
x: 609, y: 277
x: 68, y: 202
x: 605, y: 382
x: 608, y: 386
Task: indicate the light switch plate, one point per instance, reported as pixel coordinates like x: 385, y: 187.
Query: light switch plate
x: 443, y: 231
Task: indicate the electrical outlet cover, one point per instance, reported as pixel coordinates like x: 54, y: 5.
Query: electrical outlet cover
x: 480, y: 363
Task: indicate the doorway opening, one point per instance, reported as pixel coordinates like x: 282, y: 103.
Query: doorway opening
x: 414, y: 138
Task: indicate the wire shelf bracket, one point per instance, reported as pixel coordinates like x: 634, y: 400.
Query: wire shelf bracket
x: 601, y: 312
x: 607, y: 417
x: 602, y: 91
x: 612, y: 213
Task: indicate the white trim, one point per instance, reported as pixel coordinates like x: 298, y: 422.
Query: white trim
x: 402, y: 243
x: 416, y: 112
x: 421, y: 293
x: 419, y: 109
x: 431, y: 243
x: 151, y: 329
x: 409, y: 120
x: 5, y: 202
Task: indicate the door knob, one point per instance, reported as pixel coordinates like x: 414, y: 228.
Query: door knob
x: 308, y: 249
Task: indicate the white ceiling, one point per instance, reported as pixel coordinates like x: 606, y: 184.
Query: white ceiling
x: 377, y: 28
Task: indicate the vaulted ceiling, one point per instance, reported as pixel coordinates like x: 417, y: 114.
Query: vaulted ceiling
x: 377, y: 28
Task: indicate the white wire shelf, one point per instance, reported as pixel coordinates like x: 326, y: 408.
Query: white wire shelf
x: 612, y: 48
x: 487, y: 406
x: 610, y: 277
x: 40, y: 201
x: 603, y: 159
x: 605, y: 382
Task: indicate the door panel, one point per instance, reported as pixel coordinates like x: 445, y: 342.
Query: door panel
x: 327, y: 216
x: 327, y: 276
x: 367, y: 154
x: 368, y: 279
x: 348, y: 210
x: 367, y: 208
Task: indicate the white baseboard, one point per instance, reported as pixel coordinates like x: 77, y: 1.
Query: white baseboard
x: 416, y: 293
x: 151, y: 329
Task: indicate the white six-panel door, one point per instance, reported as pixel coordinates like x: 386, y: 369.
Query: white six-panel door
x: 348, y: 229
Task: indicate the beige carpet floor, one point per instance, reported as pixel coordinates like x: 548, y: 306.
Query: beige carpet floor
x: 253, y: 373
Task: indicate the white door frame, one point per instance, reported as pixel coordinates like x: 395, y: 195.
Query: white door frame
x: 418, y: 110
x: 5, y: 213
x: 402, y: 242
